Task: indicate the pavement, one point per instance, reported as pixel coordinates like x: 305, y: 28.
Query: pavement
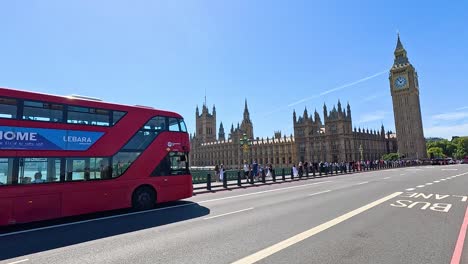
x: 404, y: 215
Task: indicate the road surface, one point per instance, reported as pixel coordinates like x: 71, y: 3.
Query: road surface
x: 404, y: 215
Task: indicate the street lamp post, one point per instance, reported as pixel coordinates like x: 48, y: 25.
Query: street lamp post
x: 361, y: 150
x: 245, y: 144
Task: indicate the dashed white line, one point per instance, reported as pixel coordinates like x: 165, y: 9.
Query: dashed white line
x: 429, y: 183
x: 312, y: 194
x: 436, y: 181
x: 443, y: 179
x: 361, y: 183
x: 267, y: 191
x: 386, y: 178
x: 230, y: 213
x: 410, y: 189
x: 402, y: 174
x: 157, y: 209
x: 19, y: 261
x: 420, y: 186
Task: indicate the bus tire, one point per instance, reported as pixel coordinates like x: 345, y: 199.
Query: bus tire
x: 143, y: 198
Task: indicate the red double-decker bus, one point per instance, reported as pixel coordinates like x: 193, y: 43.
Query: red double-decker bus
x: 68, y: 155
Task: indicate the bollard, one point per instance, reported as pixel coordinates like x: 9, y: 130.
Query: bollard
x: 292, y: 174
x: 239, y: 182
x: 263, y: 176
x: 284, y: 175
x: 273, y: 175
x: 225, y: 180
x: 251, y: 177
x: 307, y: 171
x: 208, y: 182
x: 336, y: 170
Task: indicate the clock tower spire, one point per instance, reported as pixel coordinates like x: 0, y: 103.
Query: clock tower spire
x: 404, y: 89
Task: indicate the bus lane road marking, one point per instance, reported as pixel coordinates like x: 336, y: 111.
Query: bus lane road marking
x: 457, y: 253
x: 432, y: 201
x: 264, y: 253
x: 235, y: 212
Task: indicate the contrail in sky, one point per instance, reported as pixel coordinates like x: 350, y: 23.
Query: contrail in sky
x: 337, y: 88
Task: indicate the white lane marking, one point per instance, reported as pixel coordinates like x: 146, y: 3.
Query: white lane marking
x: 311, y: 232
x: 216, y: 216
x: 436, y: 181
x: 248, y: 194
x: 443, y: 179
x: 420, y: 186
x: 429, y: 183
x: 312, y: 194
x: 92, y: 220
x: 402, y: 174
x: 386, y: 178
x: 153, y: 210
x: 19, y: 261
x: 449, y: 169
x: 410, y: 189
x: 361, y: 183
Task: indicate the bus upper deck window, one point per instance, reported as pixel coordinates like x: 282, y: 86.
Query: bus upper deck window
x: 173, y: 124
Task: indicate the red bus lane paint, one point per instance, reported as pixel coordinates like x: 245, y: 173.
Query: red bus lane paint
x: 457, y: 253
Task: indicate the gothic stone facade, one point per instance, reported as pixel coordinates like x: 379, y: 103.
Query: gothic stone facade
x: 335, y: 140
x: 313, y: 141
x: 278, y: 150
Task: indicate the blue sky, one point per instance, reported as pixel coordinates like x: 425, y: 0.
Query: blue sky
x: 165, y: 54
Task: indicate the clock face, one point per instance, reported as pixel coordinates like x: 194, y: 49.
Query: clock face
x: 400, y: 82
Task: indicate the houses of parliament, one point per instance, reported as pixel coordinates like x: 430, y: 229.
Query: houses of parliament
x: 331, y: 137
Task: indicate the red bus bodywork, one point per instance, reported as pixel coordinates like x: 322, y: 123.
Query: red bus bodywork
x: 20, y: 203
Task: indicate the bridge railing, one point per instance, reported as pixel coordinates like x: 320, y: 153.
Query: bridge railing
x: 207, y: 179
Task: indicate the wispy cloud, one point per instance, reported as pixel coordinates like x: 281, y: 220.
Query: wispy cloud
x: 446, y: 131
x: 450, y: 116
x: 366, y: 118
x: 337, y: 88
x: 462, y: 108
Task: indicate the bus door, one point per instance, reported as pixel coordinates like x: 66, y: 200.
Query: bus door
x: 39, y: 201
x: 170, y: 173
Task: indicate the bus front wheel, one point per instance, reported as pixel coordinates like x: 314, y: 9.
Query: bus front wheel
x: 144, y: 198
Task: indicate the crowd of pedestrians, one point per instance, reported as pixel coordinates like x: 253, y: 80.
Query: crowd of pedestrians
x: 255, y: 171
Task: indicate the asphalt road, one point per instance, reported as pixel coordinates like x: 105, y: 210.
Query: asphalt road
x: 405, y: 215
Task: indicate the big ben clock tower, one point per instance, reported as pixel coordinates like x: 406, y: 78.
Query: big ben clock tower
x: 406, y: 107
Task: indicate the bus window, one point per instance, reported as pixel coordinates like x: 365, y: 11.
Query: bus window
x: 6, y: 171
x: 174, y: 163
x: 173, y: 124
x: 121, y: 161
x: 116, y: 116
x: 40, y: 111
x: 179, y: 163
x: 98, y: 168
x: 88, y: 116
x: 157, y: 123
x: 8, y: 108
x: 183, y: 128
x: 39, y: 170
x: 143, y: 138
